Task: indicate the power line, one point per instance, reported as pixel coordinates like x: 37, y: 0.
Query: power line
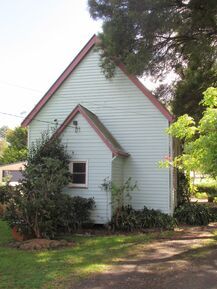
x: 56, y: 121
x: 36, y: 119
x: 20, y: 86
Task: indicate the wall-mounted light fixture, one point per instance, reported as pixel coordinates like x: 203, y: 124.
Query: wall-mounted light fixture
x: 75, y: 124
x: 56, y: 121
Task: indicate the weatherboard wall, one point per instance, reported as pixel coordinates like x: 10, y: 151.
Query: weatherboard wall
x: 85, y: 145
x: 117, y: 177
x: 132, y: 119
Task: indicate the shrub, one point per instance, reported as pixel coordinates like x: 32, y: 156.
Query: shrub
x: 73, y: 212
x: 6, y: 191
x: 150, y: 218
x: 200, y: 195
x: 38, y: 207
x: 192, y: 214
x: 125, y: 219
x: 128, y: 219
x: 47, y: 217
x: 209, y: 188
x: 212, y: 213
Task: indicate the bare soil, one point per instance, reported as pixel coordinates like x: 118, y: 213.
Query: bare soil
x: 188, y: 260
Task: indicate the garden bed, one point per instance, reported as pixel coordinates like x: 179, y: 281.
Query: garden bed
x: 41, y: 244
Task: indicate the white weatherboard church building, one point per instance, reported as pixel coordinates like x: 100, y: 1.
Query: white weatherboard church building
x: 113, y: 128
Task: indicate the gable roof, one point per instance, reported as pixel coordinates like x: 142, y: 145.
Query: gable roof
x: 80, y: 56
x: 97, y: 125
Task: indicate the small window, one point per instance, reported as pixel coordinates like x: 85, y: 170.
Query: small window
x: 79, y: 173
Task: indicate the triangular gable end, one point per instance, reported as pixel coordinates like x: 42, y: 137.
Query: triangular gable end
x: 70, y: 69
x: 96, y: 124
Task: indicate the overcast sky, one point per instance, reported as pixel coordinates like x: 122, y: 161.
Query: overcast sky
x: 39, y: 38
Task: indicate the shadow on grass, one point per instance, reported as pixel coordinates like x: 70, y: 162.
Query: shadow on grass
x: 50, y: 269
x: 192, y: 269
x: 57, y: 269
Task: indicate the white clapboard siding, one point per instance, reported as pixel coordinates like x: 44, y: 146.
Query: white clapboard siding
x: 117, y: 170
x: 117, y: 175
x: 130, y: 116
x: 85, y: 145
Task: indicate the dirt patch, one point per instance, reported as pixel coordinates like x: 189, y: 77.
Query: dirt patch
x: 41, y: 244
x: 187, y: 260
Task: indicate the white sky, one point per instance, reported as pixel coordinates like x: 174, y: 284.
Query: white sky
x: 38, y: 39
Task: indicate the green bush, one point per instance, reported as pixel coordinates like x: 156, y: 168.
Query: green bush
x: 200, y: 195
x: 192, y: 214
x: 212, y: 213
x: 6, y: 191
x: 73, y: 212
x: 38, y: 207
x: 128, y: 219
x: 209, y: 188
x: 150, y: 218
x: 125, y: 219
x: 55, y: 215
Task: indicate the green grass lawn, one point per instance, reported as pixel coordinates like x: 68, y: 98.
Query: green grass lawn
x: 53, y: 269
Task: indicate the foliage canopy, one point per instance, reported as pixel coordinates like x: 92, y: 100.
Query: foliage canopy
x: 156, y: 35
x: 14, y: 145
x: 160, y: 36
x: 200, y: 141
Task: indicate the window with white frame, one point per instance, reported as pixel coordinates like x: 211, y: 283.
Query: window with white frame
x: 78, y: 170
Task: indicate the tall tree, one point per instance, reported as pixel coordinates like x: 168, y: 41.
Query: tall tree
x: 157, y: 36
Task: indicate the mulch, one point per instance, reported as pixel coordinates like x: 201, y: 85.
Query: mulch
x: 40, y: 244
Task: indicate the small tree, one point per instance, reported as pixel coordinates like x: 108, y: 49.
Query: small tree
x: 200, y: 141
x: 39, y: 207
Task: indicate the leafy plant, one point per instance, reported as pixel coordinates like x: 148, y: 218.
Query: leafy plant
x: 6, y: 192
x: 120, y: 195
x: 201, y: 196
x: 150, y: 218
x: 210, y: 189
x: 125, y: 219
x: 200, y: 141
x: 192, y: 214
x: 129, y: 219
x: 212, y: 213
x: 72, y: 212
x: 38, y: 207
x: 15, y: 145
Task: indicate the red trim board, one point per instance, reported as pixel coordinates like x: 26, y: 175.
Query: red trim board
x: 81, y: 110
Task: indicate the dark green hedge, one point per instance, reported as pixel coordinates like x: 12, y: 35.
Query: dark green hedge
x: 209, y: 189
x: 128, y: 219
x: 195, y: 214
